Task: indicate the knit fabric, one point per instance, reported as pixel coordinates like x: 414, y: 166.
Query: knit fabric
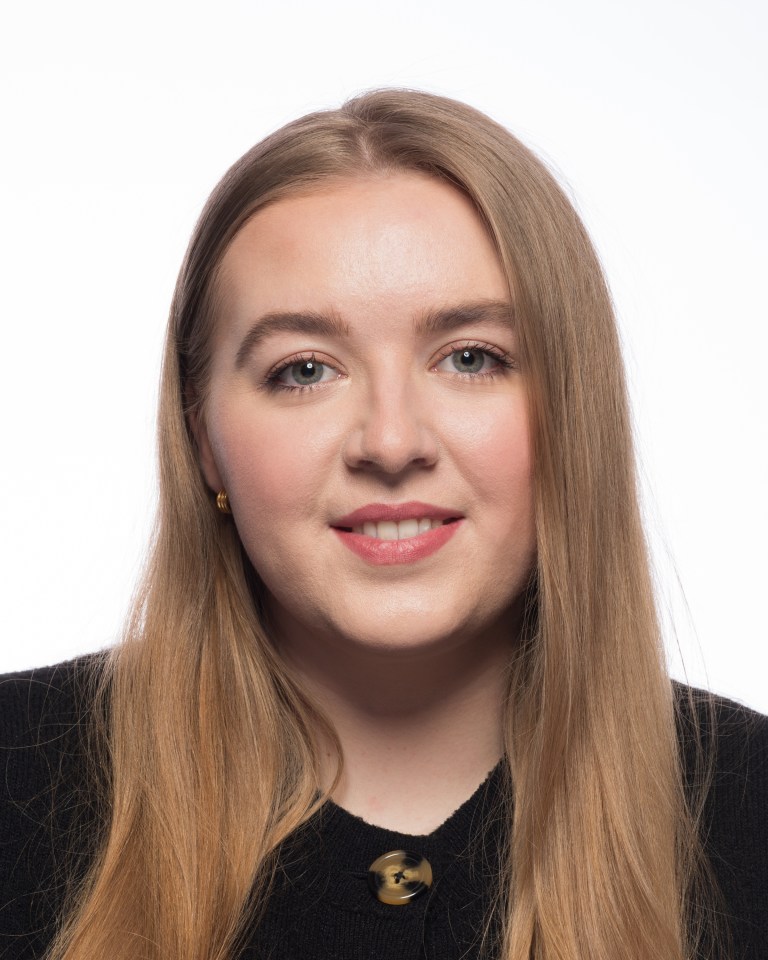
x: 321, y: 906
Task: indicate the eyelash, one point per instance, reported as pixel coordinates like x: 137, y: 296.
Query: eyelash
x: 272, y: 383
x: 504, y: 360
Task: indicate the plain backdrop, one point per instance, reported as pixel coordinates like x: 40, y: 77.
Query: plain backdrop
x: 117, y: 120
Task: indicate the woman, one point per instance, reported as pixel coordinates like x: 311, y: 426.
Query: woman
x: 393, y: 684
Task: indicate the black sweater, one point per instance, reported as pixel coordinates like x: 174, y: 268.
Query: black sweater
x: 322, y: 906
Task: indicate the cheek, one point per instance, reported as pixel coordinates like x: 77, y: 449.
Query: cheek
x: 494, y: 445
x: 492, y: 448
x: 272, y: 467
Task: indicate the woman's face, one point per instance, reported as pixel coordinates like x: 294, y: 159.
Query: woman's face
x: 365, y: 386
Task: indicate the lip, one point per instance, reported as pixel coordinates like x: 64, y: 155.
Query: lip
x: 389, y: 552
x: 413, y: 510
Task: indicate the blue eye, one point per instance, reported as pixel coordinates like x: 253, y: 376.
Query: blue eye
x: 301, y: 374
x: 306, y: 373
x: 473, y: 359
x: 469, y: 361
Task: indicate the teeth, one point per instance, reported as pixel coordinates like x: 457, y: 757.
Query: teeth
x: 387, y: 530
x: 407, y: 528
x: 402, y: 530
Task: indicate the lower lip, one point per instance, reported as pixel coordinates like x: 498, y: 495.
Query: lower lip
x: 388, y: 552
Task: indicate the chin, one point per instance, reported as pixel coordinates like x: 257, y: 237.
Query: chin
x: 405, y: 631
x: 390, y: 621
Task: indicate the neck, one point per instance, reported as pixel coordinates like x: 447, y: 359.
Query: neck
x: 419, y: 729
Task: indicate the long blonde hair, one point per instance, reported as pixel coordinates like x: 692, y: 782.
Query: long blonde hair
x: 207, y: 761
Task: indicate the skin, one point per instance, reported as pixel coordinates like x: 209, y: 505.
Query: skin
x: 407, y: 660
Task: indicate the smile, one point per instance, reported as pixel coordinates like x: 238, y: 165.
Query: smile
x: 399, y: 530
x: 387, y: 534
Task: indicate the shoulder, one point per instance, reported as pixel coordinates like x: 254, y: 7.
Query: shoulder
x: 725, y: 751
x: 34, y: 703
x: 733, y: 737
x: 44, y: 792
x: 43, y: 727
x: 725, y: 746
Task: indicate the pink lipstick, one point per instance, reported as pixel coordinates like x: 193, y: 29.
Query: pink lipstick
x: 385, y: 534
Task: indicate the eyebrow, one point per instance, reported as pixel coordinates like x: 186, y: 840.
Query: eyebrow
x: 498, y: 313
x: 320, y: 324
x: 442, y: 320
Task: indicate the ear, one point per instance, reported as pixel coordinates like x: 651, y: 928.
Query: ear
x: 204, y: 451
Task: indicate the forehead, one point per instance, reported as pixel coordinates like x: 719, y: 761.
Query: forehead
x: 380, y: 243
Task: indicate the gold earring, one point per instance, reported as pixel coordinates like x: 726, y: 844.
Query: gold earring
x: 222, y: 501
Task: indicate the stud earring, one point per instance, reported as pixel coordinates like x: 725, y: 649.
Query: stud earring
x: 222, y: 501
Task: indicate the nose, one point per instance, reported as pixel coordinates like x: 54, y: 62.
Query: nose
x: 392, y: 432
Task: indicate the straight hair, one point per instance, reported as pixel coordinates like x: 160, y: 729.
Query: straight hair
x: 206, y: 755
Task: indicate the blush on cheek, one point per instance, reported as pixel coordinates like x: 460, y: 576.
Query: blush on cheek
x: 499, y: 467
x: 276, y: 471
x: 265, y: 482
x: 497, y: 446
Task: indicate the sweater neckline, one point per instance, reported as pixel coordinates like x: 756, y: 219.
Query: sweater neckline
x: 329, y: 858
x: 336, y: 816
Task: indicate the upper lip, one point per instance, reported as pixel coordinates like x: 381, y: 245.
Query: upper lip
x: 414, y: 510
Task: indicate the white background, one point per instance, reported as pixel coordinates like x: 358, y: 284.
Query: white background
x: 117, y: 120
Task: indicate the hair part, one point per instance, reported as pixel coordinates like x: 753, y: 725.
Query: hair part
x: 603, y: 850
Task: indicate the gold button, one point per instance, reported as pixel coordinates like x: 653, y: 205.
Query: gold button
x: 397, y: 877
